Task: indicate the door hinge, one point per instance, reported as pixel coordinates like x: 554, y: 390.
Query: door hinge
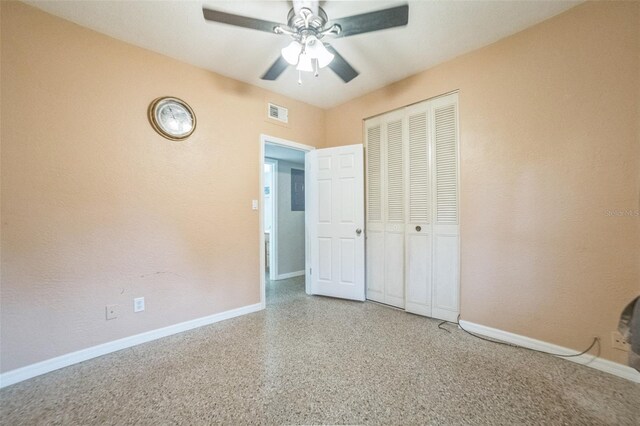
x: 310, y: 271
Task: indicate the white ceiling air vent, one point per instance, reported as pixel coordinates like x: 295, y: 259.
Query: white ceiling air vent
x: 278, y: 113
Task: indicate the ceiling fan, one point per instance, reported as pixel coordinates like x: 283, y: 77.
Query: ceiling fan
x: 308, y: 24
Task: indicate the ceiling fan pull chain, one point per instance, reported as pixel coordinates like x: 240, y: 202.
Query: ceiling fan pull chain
x: 299, y: 78
x: 315, y: 62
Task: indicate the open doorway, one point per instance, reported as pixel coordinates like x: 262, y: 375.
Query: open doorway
x: 282, y: 218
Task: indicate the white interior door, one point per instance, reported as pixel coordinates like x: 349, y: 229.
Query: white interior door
x: 335, y: 221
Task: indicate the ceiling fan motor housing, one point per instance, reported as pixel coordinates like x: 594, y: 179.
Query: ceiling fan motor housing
x: 306, y: 23
x: 306, y: 19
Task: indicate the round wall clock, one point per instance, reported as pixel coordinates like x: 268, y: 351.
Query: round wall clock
x: 172, y: 118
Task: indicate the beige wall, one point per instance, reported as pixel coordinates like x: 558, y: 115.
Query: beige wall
x: 550, y: 141
x: 98, y: 209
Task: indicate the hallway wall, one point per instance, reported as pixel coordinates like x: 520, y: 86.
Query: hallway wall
x: 291, y: 235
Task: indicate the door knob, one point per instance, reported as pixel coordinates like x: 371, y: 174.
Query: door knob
x: 358, y: 231
x: 418, y: 228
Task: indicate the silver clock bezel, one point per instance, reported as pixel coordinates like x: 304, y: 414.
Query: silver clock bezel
x: 153, y: 115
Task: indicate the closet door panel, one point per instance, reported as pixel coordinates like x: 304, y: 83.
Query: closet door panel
x: 418, y: 227
x: 446, y: 230
x: 395, y: 171
x: 445, y: 141
x: 394, y: 267
x: 374, y: 230
x: 419, y: 168
x: 395, y: 208
x: 418, y: 268
x: 446, y: 276
x: 374, y: 173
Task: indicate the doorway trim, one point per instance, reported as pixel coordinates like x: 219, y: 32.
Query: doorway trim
x: 272, y: 140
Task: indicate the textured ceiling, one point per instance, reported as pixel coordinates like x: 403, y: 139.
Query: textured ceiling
x: 437, y: 31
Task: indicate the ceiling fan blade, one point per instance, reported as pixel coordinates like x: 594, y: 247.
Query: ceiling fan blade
x: 239, y: 21
x: 373, y: 21
x: 276, y: 69
x: 341, y: 67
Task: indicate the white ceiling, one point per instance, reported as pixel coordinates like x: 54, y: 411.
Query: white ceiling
x: 437, y: 31
x: 278, y: 152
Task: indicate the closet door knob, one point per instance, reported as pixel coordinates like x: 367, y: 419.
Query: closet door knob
x: 418, y: 228
x: 358, y: 231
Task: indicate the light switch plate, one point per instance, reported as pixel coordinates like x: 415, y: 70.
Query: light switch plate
x: 138, y: 304
x: 254, y: 204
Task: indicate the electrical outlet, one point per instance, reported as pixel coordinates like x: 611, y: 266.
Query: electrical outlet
x: 138, y: 304
x: 112, y: 311
x: 618, y: 342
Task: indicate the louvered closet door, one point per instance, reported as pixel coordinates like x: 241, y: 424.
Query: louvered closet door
x: 393, y: 135
x: 418, y: 232
x: 375, y: 224
x: 446, y: 229
x: 413, y: 235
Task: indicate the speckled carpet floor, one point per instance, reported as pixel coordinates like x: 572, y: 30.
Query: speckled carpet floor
x: 316, y: 360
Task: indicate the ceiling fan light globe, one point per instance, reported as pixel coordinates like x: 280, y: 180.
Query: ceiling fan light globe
x: 323, y: 56
x: 305, y: 63
x: 315, y: 48
x: 292, y: 52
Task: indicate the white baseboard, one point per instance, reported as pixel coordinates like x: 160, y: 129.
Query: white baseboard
x: 290, y: 275
x: 33, y: 370
x: 598, y: 363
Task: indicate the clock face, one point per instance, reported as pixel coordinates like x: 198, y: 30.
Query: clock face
x: 172, y: 118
